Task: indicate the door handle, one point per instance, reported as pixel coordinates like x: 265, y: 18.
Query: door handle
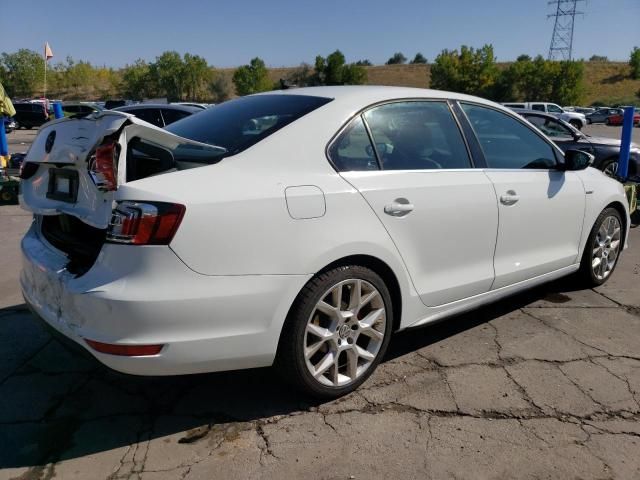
x: 509, y: 198
x: 398, y: 208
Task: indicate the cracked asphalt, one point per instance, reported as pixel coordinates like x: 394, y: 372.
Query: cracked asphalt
x: 542, y: 385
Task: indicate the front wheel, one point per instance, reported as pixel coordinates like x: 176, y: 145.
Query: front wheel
x: 337, y: 332
x: 607, y: 122
x: 603, y: 248
x: 576, y: 124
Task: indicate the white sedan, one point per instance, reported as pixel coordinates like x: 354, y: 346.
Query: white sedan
x: 301, y: 228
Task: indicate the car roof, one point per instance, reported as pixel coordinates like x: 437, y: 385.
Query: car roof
x: 370, y: 94
x: 164, y: 106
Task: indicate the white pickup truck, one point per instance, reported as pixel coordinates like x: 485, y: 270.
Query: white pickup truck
x: 578, y: 120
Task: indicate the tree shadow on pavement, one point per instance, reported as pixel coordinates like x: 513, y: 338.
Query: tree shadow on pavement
x: 56, y: 404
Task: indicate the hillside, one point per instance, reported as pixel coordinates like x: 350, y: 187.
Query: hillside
x: 605, y: 82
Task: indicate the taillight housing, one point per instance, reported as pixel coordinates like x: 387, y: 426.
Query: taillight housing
x: 28, y: 169
x: 144, y: 223
x: 103, y: 166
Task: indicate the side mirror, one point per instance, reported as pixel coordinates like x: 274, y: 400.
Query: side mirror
x: 577, y: 160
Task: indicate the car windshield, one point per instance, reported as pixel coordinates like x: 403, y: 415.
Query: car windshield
x: 238, y: 124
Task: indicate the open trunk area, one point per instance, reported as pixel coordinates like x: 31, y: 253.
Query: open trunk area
x: 79, y: 241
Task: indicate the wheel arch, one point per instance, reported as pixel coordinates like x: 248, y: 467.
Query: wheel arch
x: 623, y: 215
x: 386, y: 273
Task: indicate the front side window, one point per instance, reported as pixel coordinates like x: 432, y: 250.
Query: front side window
x: 506, y: 142
x: 417, y: 135
x: 550, y: 127
x: 552, y: 108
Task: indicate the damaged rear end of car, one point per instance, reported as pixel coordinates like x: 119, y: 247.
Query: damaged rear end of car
x: 89, y: 239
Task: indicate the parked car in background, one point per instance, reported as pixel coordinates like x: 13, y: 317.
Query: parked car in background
x: 601, y: 114
x: 111, y: 104
x: 605, y: 150
x: 584, y: 110
x: 322, y: 221
x: 30, y: 114
x: 161, y: 114
x: 578, y: 120
x: 9, y: 125
x: 202, y: 106
x: 617, y: 118
x: 79, y: 108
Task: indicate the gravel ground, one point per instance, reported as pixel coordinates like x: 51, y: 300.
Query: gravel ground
x: 542, y: 385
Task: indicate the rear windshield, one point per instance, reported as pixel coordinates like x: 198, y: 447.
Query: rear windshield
x: 238, y: 124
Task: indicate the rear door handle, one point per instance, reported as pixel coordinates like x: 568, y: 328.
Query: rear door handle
x: 398, y: 208
x: 509, y: 198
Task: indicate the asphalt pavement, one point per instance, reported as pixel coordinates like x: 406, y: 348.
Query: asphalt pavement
x: 545, y: 384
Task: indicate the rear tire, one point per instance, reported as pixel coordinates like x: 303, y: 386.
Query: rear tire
x: 607, y: 122
x: 336, y: 333
x: 602, y: 250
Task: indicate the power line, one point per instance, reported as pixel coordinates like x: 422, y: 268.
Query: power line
x: 562, y: 38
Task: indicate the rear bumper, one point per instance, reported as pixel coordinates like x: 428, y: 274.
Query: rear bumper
x: 146, y: 295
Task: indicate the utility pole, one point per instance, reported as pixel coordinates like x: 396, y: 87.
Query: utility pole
x: 562, y: 38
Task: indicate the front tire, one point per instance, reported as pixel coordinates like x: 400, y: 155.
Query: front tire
x: 337, y: 332
x: 576, y: 124
x: 602, y: 251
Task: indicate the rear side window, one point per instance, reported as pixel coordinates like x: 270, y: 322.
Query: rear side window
x: 171, y: 116
x: 417, y: 136
x: 238, y: 124
x: 352, y: 150
x: 537, y: 106
x: 508, y: 143
x: 151, y: 115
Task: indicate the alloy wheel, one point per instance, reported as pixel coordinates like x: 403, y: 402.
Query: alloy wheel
x: 611, y: 169
x: 344, y: 332
x: 606, y: 247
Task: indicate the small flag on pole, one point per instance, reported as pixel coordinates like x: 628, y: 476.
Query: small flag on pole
x: 47, y: 51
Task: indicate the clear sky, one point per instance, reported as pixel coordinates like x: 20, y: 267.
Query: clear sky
x: 287, y: 32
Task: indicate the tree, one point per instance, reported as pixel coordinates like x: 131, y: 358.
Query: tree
x: 301, y: 76
x: 136, y: 81
x: 333, y: 70
x: 467, y: 71
x: 598, y: 58
x: 540, y: 79
x: 634, y: 62
x: 23, y: 72
x: 252, y: 78
x: 167, y: 72
x: 364, y: 63
x: 197, y: 77
x: 419, y: 59
x: 221, y: 87
x: 397, y: 59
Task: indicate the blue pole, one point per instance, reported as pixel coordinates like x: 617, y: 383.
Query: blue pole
x: 4, y: 145
x: 57, y: 110
x: 625, y: 143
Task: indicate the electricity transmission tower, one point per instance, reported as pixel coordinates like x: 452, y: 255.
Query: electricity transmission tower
x: 562, y: 38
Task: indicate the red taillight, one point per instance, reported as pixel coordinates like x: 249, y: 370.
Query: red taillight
x: 103, y: 166
x: 145, y: 223
x: 124, y: 350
